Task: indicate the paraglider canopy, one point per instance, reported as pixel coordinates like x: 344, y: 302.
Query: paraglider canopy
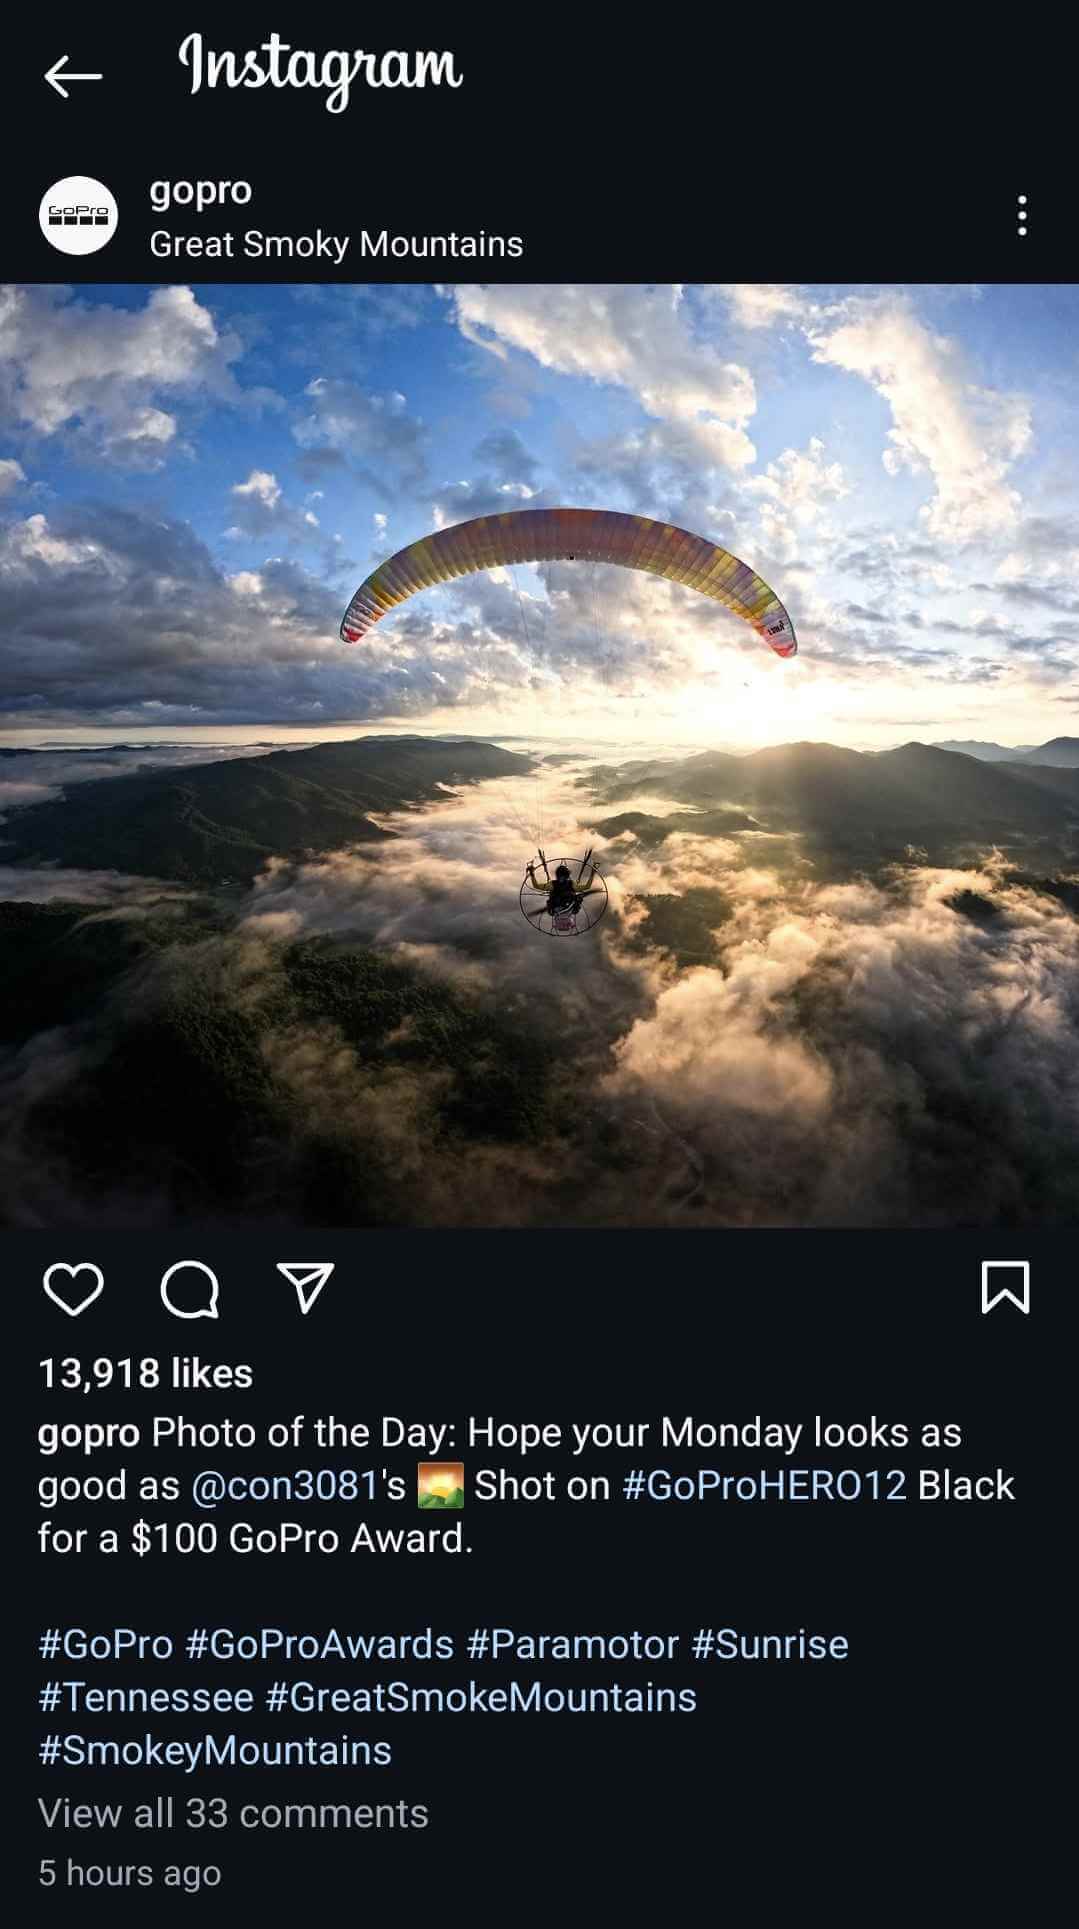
x: 571, y: 897
x: 569, y: 535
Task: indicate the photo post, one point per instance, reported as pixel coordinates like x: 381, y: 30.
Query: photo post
x: 539, y: 928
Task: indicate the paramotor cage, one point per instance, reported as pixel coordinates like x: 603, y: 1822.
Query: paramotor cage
x: 566, y: 909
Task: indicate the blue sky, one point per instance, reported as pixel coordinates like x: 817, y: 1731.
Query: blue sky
x: 194, y: 479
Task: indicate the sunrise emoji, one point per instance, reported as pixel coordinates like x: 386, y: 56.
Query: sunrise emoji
x: 441, y: 1483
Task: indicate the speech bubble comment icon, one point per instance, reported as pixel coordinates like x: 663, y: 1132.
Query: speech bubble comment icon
x: 190, y: 1290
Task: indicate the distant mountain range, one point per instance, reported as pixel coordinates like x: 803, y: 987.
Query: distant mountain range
x: 219, y: 823
x: 858, y: 811
x: 1061, y: 751
x: 915, y: 788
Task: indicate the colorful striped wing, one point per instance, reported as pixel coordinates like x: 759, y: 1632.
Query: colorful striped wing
x: 568, y: 535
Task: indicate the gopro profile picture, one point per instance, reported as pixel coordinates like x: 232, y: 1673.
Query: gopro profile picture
x: 78, y: 215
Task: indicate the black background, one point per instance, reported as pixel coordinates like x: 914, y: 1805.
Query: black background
x: 621, y: 147
x: 915, y: 1777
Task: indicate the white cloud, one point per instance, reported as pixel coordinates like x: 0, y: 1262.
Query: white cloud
x: 793, y: 493
x: 140, y: 429
x: 261, y: 510
x: 757, y: 304
x: 1046, y: 555
x: 33, y: 541
x: 11, y: 474
x: 636, y: 338
x: 376, y: 433
x: 262, y: 486
x: 867, y: 1047
x: 97, y: 372
x: 711, y: 1040
x: 965, y: 437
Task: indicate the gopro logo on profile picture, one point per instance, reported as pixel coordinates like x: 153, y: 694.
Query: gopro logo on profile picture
x: 78, y: 215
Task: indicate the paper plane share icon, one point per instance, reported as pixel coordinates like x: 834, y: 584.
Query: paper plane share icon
x: 308, y: 1276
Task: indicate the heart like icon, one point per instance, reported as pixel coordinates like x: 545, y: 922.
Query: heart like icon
x: 65, y: 1296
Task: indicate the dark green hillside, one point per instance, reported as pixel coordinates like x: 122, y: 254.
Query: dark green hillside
x: 852, y: 809
x: 819, y: 784
x: 697, y: 823
x: 218, y: 823
x: 57, y: 959
x: 202, y: 1101
x: 683, y: 925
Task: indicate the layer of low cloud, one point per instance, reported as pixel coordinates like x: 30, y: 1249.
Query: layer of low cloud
x: 111, y: 890
x: 39, y: 776
x: 897, y: 1050
x: 854, y: 1053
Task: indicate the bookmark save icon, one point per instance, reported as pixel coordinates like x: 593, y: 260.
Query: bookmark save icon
x: 308, y: 1276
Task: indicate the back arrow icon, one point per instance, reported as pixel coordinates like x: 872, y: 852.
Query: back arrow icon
x: 55, y: 75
